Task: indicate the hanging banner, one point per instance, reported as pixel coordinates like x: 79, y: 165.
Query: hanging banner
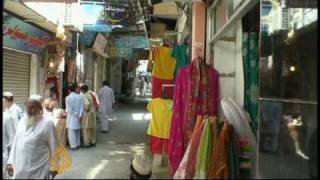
x: 137, y: 42
x: 87, y: 37
x: 120, y: 52
x: 20, y: 35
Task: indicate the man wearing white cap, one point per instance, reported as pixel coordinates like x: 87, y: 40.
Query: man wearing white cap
x: 33, y: 145
x: 11, y: 107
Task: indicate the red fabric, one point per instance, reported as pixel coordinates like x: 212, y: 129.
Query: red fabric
x: 95, y: 103
x: 157, y: 88
x: 158, y: 145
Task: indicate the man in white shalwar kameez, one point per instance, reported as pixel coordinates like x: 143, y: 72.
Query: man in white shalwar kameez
x: 10, y: 106
x: 74, y: 109
x: 33, y: 145
x: 8, y: 133
x: 107, y: 99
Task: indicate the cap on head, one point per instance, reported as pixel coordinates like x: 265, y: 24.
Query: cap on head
x: 8, y: 94
x: 142, y: 164
x: 37, y: 98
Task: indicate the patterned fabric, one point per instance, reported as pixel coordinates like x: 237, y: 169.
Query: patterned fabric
x: 176, y: 149
x: 219, y: 168
x: 233, y: 155
x: 251, y: 75
x: 186, y: 168
x: 196, y: 93
x: 204, y: 152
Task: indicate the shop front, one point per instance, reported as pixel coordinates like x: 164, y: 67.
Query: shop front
x: 23, y: 46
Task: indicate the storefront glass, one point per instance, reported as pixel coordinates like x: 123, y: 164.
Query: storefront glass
x: 288, y: 89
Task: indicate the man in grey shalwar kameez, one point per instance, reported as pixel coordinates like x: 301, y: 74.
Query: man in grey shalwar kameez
x: 107, y: 99
x: 34, y: 144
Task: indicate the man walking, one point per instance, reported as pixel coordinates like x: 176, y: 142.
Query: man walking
x: 11, y: 107
x: 88, y: 119
x: 74, y: 109
x: 107, y: 99
x: 33, y: 145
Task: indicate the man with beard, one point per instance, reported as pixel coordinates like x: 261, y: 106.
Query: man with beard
x: 33, y: 145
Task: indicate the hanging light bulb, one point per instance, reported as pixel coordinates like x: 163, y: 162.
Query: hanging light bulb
x: 51, y: 65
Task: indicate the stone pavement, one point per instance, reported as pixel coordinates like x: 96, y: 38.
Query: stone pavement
x: 111, y: 157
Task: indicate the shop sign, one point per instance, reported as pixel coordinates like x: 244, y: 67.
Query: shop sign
x: 100, y: 44
x: 20, y: 35
x: 120, y: 52
x: 87, y: 37
x: 137, y: 42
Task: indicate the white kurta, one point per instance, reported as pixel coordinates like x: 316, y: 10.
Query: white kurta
x: 107, y: 99
x: 8, y: 133
x: 16, y: 111
x: 32, y: 148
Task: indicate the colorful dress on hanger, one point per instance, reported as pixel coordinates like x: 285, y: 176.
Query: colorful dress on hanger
x: 196, y: 93
x: 159, y: 124
x: 158, y: 91
x: 182, y: 58
x: 163, y: 63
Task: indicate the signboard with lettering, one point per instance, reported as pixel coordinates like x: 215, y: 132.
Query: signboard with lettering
x: 137, y: 42
x: 20, y: 35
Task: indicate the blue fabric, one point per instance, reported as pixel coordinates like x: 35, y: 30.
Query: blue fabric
x: 74, y: 138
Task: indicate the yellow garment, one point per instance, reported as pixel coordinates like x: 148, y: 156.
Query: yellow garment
x: 161, y: 110
x: 163, y: 63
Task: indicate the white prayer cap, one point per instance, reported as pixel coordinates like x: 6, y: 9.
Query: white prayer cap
x: 142, y: 164
x: 37, y: 98
x: 81, y: 84
x: 8, y: 94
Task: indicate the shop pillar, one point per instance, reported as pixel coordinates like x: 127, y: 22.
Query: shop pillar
x: 198, y: 28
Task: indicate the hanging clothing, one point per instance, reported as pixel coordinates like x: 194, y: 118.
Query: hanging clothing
x: 251, y: 76
x: 204, y: 152
x: 32, y: 149
x: 106, y: 99
x: 157, y: 90
x: 196, y: 93
x: 164, y: 64
x: 187, y: 165
x: 219, y: 168
x: 158, y: 145
x: 159, y: 125
x: 180, y: 54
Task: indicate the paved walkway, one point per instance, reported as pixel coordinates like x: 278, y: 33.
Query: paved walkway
x: 111, y: 157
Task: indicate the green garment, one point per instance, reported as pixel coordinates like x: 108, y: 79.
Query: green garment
x: 233, y: 156
x: 181, y: 56
x: 251, y: 76
x: 204, y: 152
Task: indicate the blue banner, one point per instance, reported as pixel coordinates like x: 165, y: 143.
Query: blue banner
x: 20, y: 35
x: 136, y: 42
x: 87, y: 37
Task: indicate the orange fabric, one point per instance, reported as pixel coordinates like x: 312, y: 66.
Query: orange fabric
x: 219, y: 168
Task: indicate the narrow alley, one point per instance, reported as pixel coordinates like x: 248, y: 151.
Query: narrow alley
x: 111, y: 157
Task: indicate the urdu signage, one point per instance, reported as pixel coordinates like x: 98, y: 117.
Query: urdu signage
x: 20, y: 35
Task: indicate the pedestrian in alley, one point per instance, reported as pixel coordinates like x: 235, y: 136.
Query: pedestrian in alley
x: 8, y: 133
x: 107, y: 99
x: 88, y: 119
x: 11, y: 107
x: 52, y: 102
x: 33, y: 145
x: 74, y: 109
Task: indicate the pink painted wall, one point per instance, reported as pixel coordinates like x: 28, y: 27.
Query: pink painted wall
x: 198, y: 29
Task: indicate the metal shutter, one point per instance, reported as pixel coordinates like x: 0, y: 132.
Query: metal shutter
x: 16, y: 75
